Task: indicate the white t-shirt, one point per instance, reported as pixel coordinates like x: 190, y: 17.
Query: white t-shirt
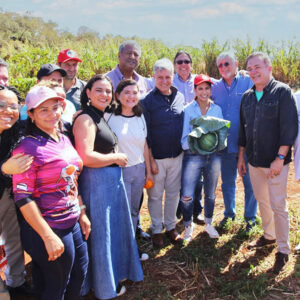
x: 69, y: 111
x: 297, y: 143
x: 131, y: 133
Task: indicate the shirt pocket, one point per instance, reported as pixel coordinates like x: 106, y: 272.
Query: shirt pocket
x: 269, y: 109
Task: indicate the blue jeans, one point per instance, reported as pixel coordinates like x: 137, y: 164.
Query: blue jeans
x: 134, y: 180
x: 229, y: 174
x: 198, y: 197
x: 62, y: 278
x: 191, y: 172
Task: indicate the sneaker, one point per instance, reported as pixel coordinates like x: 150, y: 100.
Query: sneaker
x: 297, y: 248
x: 200, y: 218
x: 188, y: 232
x: 142, y: 234
x: 121, y: 290
x: 143, y: 256
x: 261, y: 242
x: 280, y: 261
x: 212, y: 232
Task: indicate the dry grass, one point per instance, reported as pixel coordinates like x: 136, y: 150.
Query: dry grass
x: 219, y: 269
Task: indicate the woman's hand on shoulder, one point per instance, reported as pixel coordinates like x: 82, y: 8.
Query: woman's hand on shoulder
x: 121, y: 159
x: 17, y: 164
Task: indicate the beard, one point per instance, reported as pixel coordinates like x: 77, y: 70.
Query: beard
x: 70, y: 77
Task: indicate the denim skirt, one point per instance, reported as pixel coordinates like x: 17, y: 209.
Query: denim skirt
x: 112, y: 246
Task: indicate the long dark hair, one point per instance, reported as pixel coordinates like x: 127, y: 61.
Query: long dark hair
x: 12, y: 89
x: 84, y: 99
x: 137, y: 109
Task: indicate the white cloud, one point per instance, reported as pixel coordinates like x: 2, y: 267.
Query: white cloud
x: 203, y: 12
x: 233, y: 8
x: 272, y: 2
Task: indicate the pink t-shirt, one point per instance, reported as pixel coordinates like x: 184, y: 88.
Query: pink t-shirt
x: 51, y: 180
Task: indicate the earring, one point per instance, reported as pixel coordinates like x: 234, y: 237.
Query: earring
x: 89, y: 102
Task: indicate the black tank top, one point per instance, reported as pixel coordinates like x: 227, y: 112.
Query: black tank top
x: 105, y: 140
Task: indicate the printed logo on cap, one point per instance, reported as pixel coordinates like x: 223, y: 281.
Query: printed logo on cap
x: 71, y: 53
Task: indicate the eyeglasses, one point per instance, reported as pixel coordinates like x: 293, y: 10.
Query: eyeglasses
x: 180, y: 62
x: 225, y: 65
x: 4, y: 105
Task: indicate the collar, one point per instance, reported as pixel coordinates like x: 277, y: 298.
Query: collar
x: 135, y: 76
x: 43, y: 134
x: 76, y: 85
x: 96, y: 110
x: 179, y: 78
x: 267, y: 87
x: 173, y: 90
x: 235, y: 78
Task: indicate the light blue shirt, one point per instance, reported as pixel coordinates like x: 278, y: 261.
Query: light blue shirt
x: 193, y: 111
x: 185, y: 87
x: 145, y: 84
x: 229, y: 99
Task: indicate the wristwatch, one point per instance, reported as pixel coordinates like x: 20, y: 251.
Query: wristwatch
x: 280, y: 156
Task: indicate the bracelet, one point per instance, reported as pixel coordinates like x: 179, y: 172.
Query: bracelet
x: 82, y: 207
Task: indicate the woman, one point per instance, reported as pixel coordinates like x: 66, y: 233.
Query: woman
x: 113, y: 250
x: 9, y: 227
x: 47, y: 197
x: 193, y: 163
x: 129, y: 125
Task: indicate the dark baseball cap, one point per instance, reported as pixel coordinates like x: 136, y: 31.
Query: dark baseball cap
x: 48, y: 69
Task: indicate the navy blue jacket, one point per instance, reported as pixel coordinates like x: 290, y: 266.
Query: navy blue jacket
x: 164, y: 119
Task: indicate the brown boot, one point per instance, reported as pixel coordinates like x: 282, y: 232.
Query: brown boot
x: 174, y: 236
x: 157, y: 240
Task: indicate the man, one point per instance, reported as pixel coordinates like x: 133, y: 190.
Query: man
x: 3, y: 72
x: 268, y: 129
x: 68, y: 60
x: 53, y: 72
x: 227, y: 93
x: 129, y: 56
x: 163, y: 111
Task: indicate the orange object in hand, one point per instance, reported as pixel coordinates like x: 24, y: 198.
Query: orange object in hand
x: 149, y: 184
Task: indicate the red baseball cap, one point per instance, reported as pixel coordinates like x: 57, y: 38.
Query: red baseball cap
x: 66, y: 55
x: 202, y: 78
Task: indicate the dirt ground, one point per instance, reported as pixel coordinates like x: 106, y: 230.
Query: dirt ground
x: 150, y: 267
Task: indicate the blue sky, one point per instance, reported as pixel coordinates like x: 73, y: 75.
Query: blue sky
x: 175, y: 22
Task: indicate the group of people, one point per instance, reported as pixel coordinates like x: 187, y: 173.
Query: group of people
x: 81, y: 154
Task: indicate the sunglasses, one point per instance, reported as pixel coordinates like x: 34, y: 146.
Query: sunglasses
x: 180, y: 62
x: 4, y: 106
x: 225, y: 65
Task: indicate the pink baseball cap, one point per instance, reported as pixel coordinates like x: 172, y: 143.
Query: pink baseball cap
x: 66, y: 55
x: 39, y: 94
x: 202, y: 78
